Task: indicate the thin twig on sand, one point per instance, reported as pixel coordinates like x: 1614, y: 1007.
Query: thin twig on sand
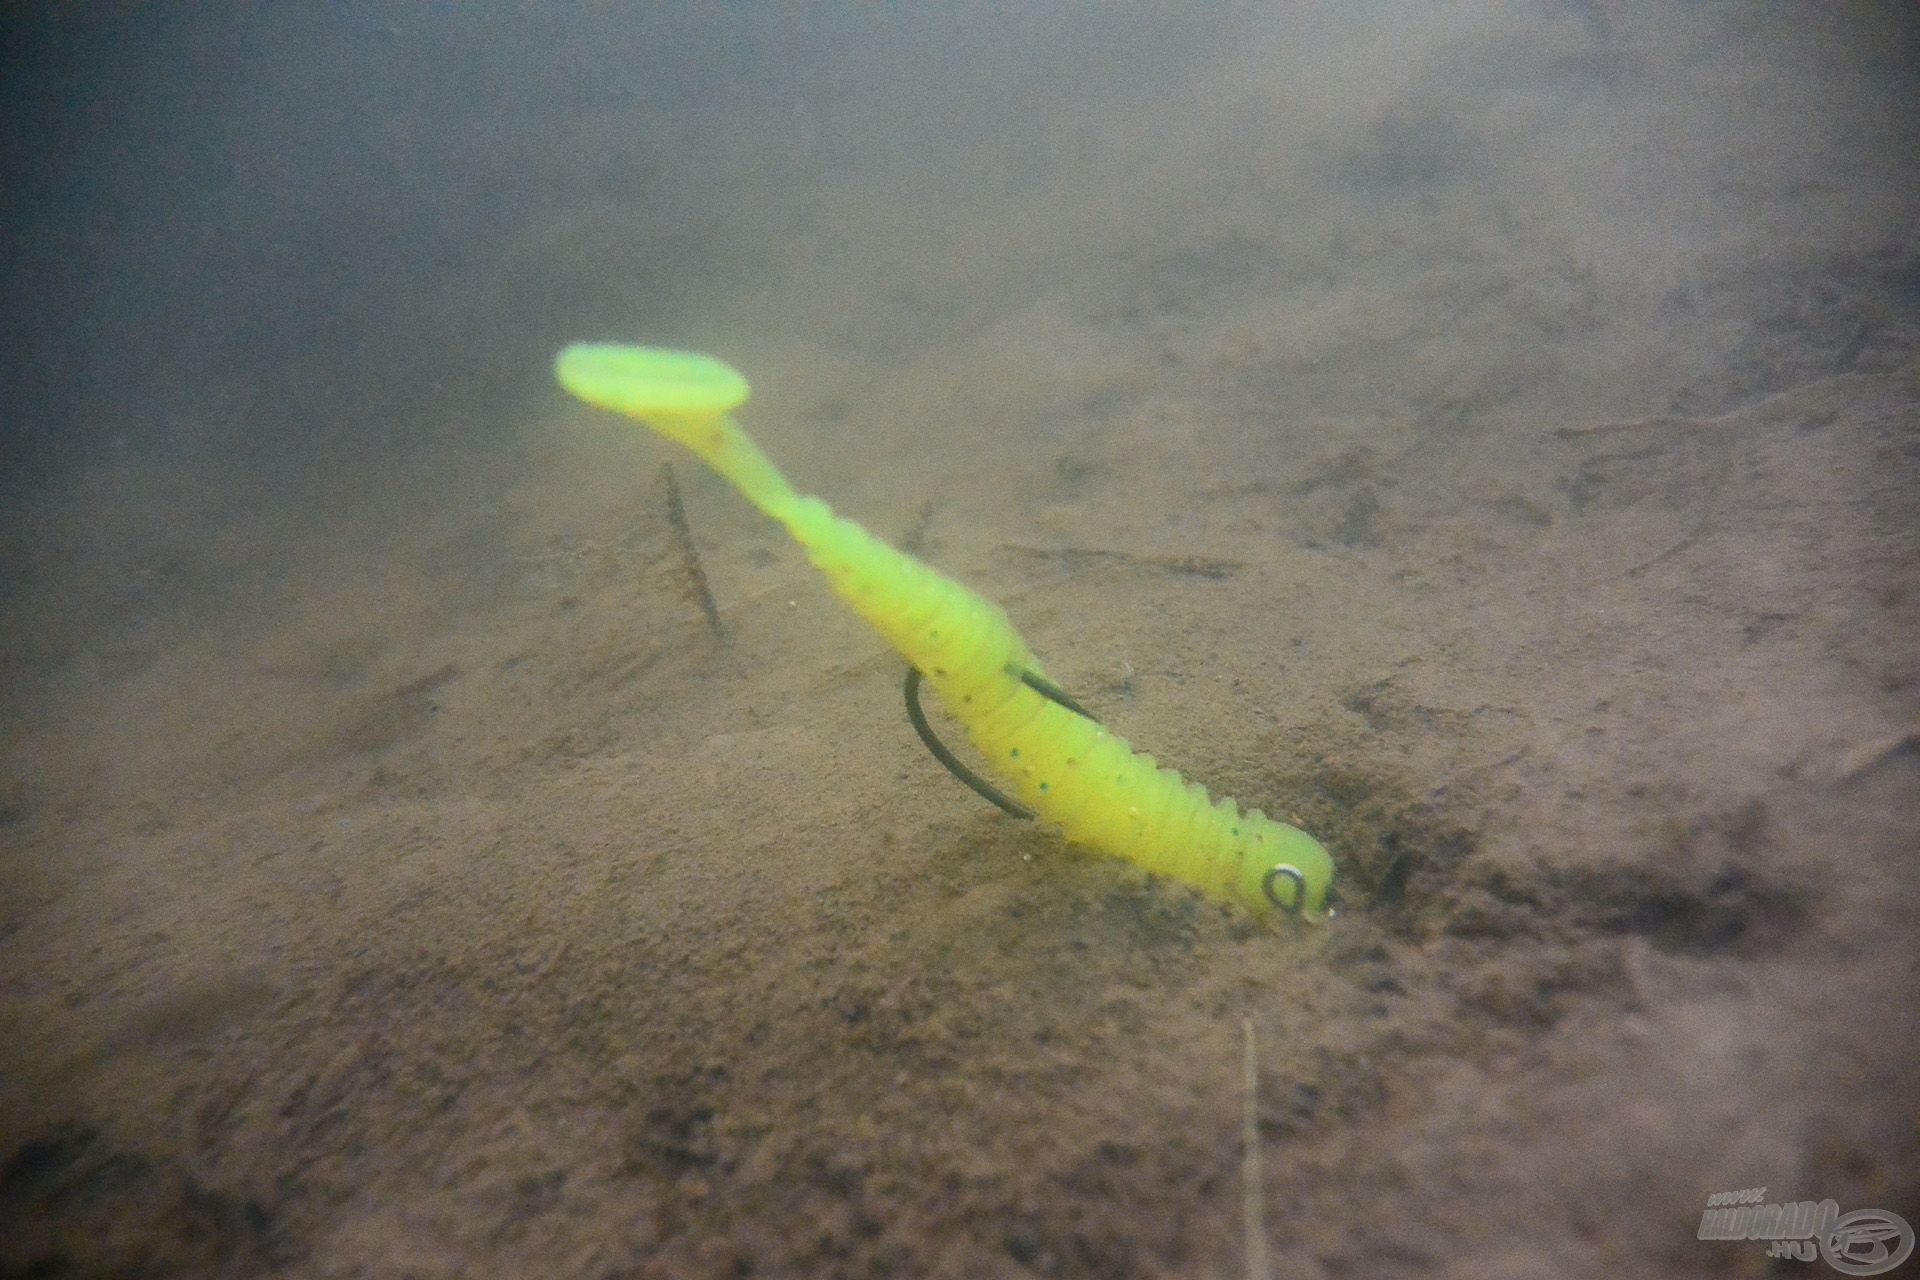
x: 696, y: 576
x: 1252, y: 1179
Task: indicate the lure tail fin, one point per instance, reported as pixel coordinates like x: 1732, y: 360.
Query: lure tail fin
x: 685, y: 397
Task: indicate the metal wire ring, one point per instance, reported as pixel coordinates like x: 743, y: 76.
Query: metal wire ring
x: 1287, y: 871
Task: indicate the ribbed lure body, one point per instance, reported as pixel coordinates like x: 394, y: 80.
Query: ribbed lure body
x: 1066, y: 768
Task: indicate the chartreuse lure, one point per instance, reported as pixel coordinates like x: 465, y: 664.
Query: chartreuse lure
x: 1062, y: 764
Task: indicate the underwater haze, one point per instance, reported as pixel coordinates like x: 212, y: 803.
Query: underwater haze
x: 445, y: 831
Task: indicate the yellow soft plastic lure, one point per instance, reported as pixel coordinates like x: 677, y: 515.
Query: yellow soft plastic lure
x: 1065, y: 767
